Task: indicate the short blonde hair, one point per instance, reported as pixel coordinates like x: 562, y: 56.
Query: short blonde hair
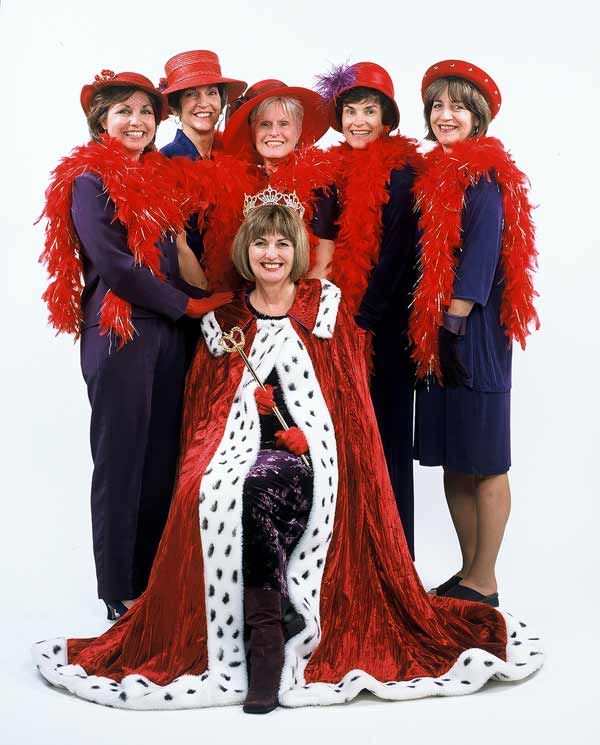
x: 459, y: 89
x: 272, y: 219
x: 291, y: 106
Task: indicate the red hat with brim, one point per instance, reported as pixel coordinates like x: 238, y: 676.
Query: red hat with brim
x: 195, y: 68
x: 108, y: 79
x: 345, y: 77
x: 237, y: 135
x: 456, y: 68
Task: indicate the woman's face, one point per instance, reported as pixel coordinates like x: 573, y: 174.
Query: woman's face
x: 200, y: 108
x: 271, y: 258
x: 275, y: 133
x: 362, y: 123
x: 132, y: 122
x: 450, y: 121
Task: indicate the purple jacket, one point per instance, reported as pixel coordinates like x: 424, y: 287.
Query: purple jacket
x: 108, y: 264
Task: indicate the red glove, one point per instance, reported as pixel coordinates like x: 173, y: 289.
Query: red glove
x: 198, y: 308
x: 291, y: 439
x: 264, y: 400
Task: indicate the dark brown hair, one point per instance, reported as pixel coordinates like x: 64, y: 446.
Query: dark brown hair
x: 110, y: 95
x: 459, y: 91
x: 363, y: 93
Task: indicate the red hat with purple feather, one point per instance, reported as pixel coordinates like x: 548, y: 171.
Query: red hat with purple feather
x: 342, y: 78
x: 456, y: 68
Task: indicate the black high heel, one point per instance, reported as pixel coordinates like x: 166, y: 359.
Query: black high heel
x: 115, y: 609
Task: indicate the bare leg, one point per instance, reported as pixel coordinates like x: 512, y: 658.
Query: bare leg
x: 461, y: 497
x: 493, y: 509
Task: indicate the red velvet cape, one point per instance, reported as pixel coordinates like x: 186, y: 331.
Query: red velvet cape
x: 370, y: 624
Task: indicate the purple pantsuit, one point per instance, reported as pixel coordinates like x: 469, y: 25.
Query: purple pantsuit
x: 135, y: 393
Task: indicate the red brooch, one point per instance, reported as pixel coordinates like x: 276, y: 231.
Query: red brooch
x: 104, y: 76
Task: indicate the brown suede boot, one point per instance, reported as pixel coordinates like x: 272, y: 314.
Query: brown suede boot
x: 263, y: 616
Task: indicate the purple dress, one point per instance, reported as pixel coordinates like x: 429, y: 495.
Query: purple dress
x: 467, y: 429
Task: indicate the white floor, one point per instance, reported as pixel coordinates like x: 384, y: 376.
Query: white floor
x: 48, y: 590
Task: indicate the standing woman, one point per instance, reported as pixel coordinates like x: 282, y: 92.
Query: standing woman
x: 474, y: 296
x: 197, y: 94
x: 270, y: 137
x: 112, y: 208
x: 375, y: 250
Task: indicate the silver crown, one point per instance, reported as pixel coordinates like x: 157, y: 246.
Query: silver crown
x: 272, y: 196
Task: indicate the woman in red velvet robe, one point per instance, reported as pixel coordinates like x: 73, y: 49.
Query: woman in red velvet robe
x: 365, y: 620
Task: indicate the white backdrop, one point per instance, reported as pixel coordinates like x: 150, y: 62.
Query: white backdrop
x: 544, y: 57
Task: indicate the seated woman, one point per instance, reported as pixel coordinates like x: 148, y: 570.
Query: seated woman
x: 251, y: 523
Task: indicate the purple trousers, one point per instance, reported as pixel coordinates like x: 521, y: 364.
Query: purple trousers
x: 136, y: 396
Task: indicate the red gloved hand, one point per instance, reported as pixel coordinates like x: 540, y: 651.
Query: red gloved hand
x: 291, y: 439
x: 264, y: 400
x: 198, y: 308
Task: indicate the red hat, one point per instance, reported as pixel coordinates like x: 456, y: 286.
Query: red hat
x: 198, y: 67
x: 236, y: 137
x: 360, y: 75
x: 459, y: 69
x: 107, y: 79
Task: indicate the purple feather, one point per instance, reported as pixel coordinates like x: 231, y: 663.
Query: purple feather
x: 336, y: 80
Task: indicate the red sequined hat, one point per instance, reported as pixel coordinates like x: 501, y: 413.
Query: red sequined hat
x: 459, y: 69
x: 195, y: 68
x: 236, y: 137
x: 107, y: 79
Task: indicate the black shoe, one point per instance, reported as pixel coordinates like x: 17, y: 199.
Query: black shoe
x: 115, y: 609
x: 452, y: 582
x: 460, y: 592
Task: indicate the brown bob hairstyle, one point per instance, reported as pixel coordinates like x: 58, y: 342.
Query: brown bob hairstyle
x: 272, y: 219
x: 459, y: 91
x: 110, y: 95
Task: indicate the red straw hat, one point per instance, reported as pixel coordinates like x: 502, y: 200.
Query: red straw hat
x: 198, y: 67
x: 236, y: 137
x: 343, y: 78
x: 459, y: 69
x: 108, y: 79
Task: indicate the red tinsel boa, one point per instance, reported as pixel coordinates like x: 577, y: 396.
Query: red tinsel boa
x: 439, y: 192
x: 361, y: 180
x: 150, y: 200
x: 304, y: 171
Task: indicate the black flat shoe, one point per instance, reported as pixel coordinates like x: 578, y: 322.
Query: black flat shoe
x: 452, y: 582
x: 460, y: 592
x: 115, y: 609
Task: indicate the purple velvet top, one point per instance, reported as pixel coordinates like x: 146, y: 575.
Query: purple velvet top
x: 108, y: 264
x: 485, y: 350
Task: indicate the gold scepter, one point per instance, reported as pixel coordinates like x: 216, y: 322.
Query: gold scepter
x: 234, y: 342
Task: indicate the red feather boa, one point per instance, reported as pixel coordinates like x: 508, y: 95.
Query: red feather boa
x: 304, y: 171
x: 150, y: 200
x: 361, y: 179
x: 440, y: 191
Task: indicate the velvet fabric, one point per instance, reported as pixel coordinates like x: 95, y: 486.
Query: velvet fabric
x: 374, y: 612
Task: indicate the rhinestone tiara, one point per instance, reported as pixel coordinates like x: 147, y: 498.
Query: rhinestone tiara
x: 272, y: 196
